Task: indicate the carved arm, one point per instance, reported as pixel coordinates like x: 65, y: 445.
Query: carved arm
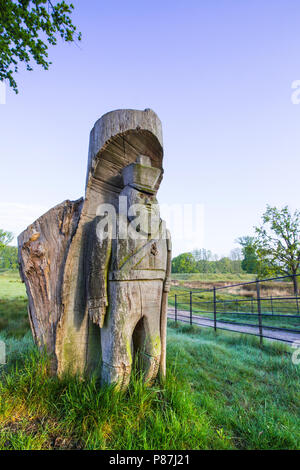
x: 167, y: 283
x: 99, y: 250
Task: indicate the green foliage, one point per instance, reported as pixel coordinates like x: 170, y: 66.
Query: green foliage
x: 22, y: 24
x: 8, y: 254
x: 225, y: 265
x: 250, y: 262
x: 9, y: 257
x: 278, y: 242
x: 184, y: 263
x: 5, y: 238
x: 203, y: 261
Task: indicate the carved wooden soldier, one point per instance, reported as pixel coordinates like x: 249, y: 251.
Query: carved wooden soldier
x: 129, y: 269
x: 84, y: 289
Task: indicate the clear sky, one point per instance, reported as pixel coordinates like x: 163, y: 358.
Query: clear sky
x: 217, y: 72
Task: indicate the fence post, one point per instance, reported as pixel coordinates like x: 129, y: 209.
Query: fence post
x: 176, y: 309
x: 215, y: 310
x: 259, y: 312
x: 296, y: 295
x: 295, y: 291
x: 191, y: 308
x: 272, y: 305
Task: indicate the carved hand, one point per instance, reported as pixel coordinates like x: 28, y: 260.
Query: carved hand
x: 97, y: 310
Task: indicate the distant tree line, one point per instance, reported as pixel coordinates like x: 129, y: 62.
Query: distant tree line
x: 9, y: 257
x: 274, y: 250
x: 8, y: 254
x: 203, y: 261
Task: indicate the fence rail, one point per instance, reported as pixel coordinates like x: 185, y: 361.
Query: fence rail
x: 248, y: 307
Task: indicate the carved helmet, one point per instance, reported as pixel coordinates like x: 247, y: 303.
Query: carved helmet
x: 141, y: 175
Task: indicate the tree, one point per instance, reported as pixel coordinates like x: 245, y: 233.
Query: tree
x: 184, y: 263
x: 21, y: 24
x: 236, y: 260
x: 236, y: 254
x: 203, y: 260
x: 224, y: 265
x: 8, y: 254
x: 5, y: 238
x: 278, y: 242
x: 9, y: 257
x: 250, y: 262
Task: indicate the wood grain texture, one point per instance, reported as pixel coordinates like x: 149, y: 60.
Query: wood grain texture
x: 43, y: 249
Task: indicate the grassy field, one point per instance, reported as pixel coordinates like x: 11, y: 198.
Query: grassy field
x: 13, y: 305
x: 213, y: 277
x: 222, y: 392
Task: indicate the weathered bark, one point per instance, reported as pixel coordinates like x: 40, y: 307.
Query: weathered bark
x: 43, y: 249
x: 164, y: 310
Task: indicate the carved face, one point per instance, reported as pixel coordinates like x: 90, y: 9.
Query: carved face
x: 142, y: 211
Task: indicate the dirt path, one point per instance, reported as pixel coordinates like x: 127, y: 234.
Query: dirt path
x: 184, y: 316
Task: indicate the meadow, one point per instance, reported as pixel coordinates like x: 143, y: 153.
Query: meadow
x: 222, y: 392
x: 213, y: 277
x: 13, y: 305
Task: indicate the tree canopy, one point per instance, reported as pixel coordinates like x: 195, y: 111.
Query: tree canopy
x: 250, y: 262
x: 26, y: 29
x: 9, y: 257
x: 5, y: 238
x: 184, y: 263
x: 278, y: 242
x: 8, y: 254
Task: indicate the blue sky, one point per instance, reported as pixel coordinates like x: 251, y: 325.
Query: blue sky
x: 217, y: 72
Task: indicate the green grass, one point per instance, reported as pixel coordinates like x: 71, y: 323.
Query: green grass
x: 252, y: 394
x: 222, y: 392
x: 213, y: 277
x: 13, y: 305
x: 41, y: 412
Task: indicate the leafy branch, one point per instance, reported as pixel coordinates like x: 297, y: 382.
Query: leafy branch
x: 22, y: 22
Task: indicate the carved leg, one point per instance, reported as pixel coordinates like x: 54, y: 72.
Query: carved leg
x: 118, y: 375
x: 116, y: 333
x: 116, y: 356
x: 151, y: 350
x: 150, y: 336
